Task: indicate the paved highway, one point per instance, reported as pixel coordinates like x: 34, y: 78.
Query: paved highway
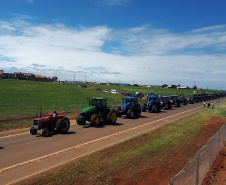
x: 23, y: 155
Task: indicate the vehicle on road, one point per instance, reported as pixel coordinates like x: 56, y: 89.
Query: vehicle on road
x: 130, y: 107
x: 152, y: 104
x: 49, y: 123
x: 113, y: 91
x: 175, y: 100
x: 97, y: 113
x: 190, y: 99
x: 165, y: 102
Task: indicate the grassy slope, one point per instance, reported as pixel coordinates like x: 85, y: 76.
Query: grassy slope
x: 161, y: 142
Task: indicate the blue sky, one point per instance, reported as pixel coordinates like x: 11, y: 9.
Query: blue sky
x: 141, y: 41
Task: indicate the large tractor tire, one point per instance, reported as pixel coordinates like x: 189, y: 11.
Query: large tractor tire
x: 138, y: 114
x: 166, y: 107
x: 158, y: 108
x: 80, y: 122
x: 153, y: 108
x: 179, y: 104
x: 63, y: 125
x: 130, y: 113
x: 95, y: 120
x: 33, y: 131
x: 112, y: 116
x: 143, y: 108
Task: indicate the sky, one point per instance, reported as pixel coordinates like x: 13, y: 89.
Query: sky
x: 149, y: 42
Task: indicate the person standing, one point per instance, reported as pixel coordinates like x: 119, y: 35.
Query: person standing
x: 212, y: 105
x: 208, y: 104
x: 204, y: 104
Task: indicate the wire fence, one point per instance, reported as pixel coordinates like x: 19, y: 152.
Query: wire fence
x: 24, y: 112
x: 196, y: 169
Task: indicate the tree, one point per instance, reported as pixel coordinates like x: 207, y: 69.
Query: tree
x: 194, y: 87
x: 54, y: 78
x: 173, y: 86
x: 164, y: 85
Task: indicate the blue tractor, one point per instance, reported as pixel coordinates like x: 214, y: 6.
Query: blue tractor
x: 130, y: 107
x: 152, y: 104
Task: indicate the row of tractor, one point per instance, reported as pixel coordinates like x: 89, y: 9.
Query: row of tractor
x: 98, y: 112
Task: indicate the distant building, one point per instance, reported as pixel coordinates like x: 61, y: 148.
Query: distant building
x: 1, y: 73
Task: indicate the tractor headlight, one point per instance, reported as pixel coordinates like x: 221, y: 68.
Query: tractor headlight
x: 35, y: 122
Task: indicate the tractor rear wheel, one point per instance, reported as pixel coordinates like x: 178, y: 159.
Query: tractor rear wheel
x: 112, y: 116
x: 45, y: 132
x: 33, y: 131
x: 95, y: 120
x: 63, y: 125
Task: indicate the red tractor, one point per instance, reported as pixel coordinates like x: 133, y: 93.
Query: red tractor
x: 49, y: 123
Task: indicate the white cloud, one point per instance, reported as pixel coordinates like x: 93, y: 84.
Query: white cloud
x: 30, y: 1
x: 148, y: 56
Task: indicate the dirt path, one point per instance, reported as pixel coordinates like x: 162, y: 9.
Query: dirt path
x: 217, y: 174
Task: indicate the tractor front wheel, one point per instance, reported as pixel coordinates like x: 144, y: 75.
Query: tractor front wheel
x: 143, y: 108
x: 63, y: 125
x: 112, y: 116
x: 139, y: 111
x: 130, y: 113
x: 80, y: 122
x: 33, y: 131
x: 166, y: 107
x: 95, y: 120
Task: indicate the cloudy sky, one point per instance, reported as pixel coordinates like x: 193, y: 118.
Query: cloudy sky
x: 142, y: 41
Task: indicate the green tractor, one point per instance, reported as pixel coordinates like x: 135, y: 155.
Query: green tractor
x: 97, y: 113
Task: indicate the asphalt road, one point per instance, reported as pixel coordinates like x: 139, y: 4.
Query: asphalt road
x: 23, y: 155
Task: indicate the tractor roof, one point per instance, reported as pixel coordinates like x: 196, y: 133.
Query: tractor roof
x: 152, y: 96
x: 132, y: 98
x: 99, y: 98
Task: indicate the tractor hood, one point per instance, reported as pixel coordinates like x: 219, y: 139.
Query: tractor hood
x: 124, y: 106
x: 150, y: 102
x: 88, y: 109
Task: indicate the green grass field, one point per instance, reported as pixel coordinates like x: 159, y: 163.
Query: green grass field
x: 26, y: 98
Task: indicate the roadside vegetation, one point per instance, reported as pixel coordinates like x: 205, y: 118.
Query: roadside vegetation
x: 132, y: 156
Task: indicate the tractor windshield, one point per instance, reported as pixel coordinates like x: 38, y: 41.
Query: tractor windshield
x: 165, y: 98
x: 174, y: 97
x: 127, y: 100
x: 152, y: 98
x: 99, y: 102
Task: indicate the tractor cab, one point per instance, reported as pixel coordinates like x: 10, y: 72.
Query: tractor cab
x: 99, y: 102
x: 151, y: 99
